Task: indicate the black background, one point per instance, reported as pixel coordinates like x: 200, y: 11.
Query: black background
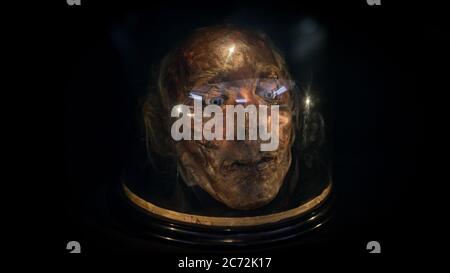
x: 366, y: 71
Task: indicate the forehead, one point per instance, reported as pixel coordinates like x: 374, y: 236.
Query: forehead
x: 228, y: 56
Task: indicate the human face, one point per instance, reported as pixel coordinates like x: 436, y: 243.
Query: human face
x: 236, y: 172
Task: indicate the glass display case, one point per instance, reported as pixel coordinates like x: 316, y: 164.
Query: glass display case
x: 233, y: 151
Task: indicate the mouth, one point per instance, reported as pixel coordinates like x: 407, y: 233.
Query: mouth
x: 248, y: 165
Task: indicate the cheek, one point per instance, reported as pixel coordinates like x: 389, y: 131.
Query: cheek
x: 190, y: 154
x: 285, y: 128
x: 207, y: 154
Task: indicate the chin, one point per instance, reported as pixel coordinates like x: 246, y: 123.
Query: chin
x: 251, y: 193
x: 252, y: 202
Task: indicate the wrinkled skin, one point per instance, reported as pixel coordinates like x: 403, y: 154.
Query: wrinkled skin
x: 235, y: 173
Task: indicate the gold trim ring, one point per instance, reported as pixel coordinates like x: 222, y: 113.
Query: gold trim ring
x: 227, y: 221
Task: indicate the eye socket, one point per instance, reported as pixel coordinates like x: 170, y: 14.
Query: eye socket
x: 215, y: 101
x: 266, y: 88
x: 269, y: 94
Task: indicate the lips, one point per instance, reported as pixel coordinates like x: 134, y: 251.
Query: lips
x: 248, y: 165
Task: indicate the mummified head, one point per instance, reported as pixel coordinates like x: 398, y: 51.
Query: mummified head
x: 225, y: 65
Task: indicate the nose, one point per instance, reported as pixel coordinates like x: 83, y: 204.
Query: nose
x: 246, y: 96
